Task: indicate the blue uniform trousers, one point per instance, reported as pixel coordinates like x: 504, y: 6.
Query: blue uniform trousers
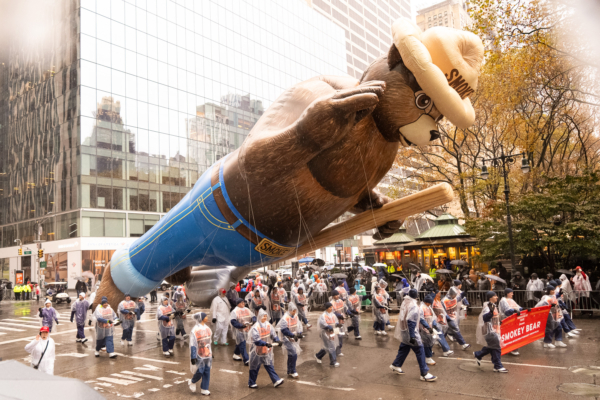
x: 254, y: 374
x: 106, y: 342
x: 203, y: 373
x: 419, y: 352
x: 240, y: 350
x: 496, y: 356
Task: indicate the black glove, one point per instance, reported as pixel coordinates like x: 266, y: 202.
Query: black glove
x: 492, y: 307
x: 518, y: 313
x: 110, y: 321
x: 193, y: 361
x: 56, y: 322
x: 413, y: 341
x: 299, y: 336
x: 295, y: 338
x: 430, y: 331
x: 269, y: 345
x: 89, y: 322
x: 529, y: 310
x: 71, y: 320
x: 188, y: 310
x: 214, y: 320
x: 39, y: 309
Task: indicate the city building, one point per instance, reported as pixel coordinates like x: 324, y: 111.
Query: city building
x: 367, y: 26
x: 449, y: 13
x: 111, y: 110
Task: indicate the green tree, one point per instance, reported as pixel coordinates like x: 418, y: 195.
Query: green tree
x: 560, y: 223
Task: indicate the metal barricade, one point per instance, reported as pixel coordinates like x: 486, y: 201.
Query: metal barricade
x: 585, y: 302
x: 7, y: 294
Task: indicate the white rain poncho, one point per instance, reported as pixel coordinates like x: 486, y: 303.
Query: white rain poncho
x: 36, y: 347
x: 426, y: 313
x: 200, y: 339
x: 243, y: 316
x: 505, y: 305
x: 582, y: 285
x: 80, y: 307
x: 379, y: 311
x: 178, y: 294
x: 343, y: 293
x: 488, y: 333
x: 289, y: 345
x: 104, y: 329
x: 300, y: 300
x: 276, y: 301
x: 261, y: 331
x: 256, y: 301
x: 452, y: 302
x: 219, y: 310
x: 409, y: 311
x: 49, y: 316
x: 555, y: 315
x: 534, y: 285
x: 127, y: 319
x: 440, y: 314
x: 353, y: 304
x: 165, y: 328
x: 328, y: 337
x: 565, y: 288
x: 180, y: 305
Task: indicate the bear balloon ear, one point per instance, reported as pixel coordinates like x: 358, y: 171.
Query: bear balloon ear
x: 394, y: 57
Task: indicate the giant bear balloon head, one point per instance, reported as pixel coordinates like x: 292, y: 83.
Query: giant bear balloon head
x: 441, y: 66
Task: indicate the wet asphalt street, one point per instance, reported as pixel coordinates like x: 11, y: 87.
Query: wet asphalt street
x: 141, y: 371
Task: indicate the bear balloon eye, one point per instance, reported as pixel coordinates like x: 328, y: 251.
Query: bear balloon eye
x: 422, y: 101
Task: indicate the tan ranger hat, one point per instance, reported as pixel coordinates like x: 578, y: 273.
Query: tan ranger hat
x: 446, y: 63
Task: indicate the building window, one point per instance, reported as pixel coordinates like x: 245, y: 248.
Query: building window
x: 140, y: 224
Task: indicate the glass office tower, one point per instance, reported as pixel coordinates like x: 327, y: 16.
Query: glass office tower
x: 110, y: 110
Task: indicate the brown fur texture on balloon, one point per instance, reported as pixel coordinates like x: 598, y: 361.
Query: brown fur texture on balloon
x: 180, y: 277
x: 321, y: 149
x: 109, y: 289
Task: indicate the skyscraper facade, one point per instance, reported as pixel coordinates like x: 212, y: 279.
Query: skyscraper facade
x: 110, y: 110
x: 367, y: 27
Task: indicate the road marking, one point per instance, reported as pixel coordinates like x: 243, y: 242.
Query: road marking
x: 153, y: 390
x: 100, y: 383
x: 35, y: 319
x: 76, y: 355
x: 175, y: 372
x: 148, y: 367
x: 503, y: 362
x: 178, y: 382
x: 27, y: 339
x: 158, y: 378
x: 22, y: 322
x: 167, y: 386
x: 2, y: 333
x: 20, y: 325
x: 123, y: 382
x: 12, y: 329
x: 231, y: 372
x: 325, y: 387
x: 147, y: 359
x: 133, y: 378
x: 137, y: 395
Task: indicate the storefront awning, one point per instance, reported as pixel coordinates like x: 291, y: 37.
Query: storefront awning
x: 419, y: 244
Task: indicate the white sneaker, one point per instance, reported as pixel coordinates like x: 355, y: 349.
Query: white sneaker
x: 571, y: 335
x: 384, y: 333
x: 574, y: 332
x: 308, y: 326
x: 466, y: 346
x: 428, y: 378
x: 390, y: 326
x: 166, y: 353
x: 294, y: 375
x: 558, y: 343
x: 278, y: 383
x: 122, y: 343
x: 171, y: 351
x: 204, y: 392
x: 377, y: 332
x: 237, y: 358
x: 358, y: 338
x: 192, y: 386
x: 78, y: 340
x: 501, y: 370
x: 97, y: 353
x: 397, y: 370
x: 447, y: 353
x: 113, y: 355
x: 477, y: 359
x: 515, y: 353
x: 429, y: 361
x: 253, y: 386
x: 318, y: 361
x: 549, y: 346
x: 130, y: 343
x: 84, y: 340
x: 186, y: 336
x: 336, y: 365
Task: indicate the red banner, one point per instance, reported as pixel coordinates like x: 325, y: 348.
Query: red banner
x: 518, y: 331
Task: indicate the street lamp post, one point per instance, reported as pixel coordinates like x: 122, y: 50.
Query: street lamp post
x: 504, y: 160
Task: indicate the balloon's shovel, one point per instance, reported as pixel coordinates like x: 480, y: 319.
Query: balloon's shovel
x: 400, y: 209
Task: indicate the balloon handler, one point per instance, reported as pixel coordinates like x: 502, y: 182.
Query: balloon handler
x: 488, y: 333
x: 261, y: 202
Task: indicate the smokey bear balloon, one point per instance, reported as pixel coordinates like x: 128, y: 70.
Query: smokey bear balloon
x: 317, y: 152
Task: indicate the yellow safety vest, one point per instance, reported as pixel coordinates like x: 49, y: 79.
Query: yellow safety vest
x: 391, y: 269
x: 17, y: 289
x: 432, y: 273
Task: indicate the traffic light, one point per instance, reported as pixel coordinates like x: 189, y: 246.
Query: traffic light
x: 40, y: 253
x: 20, y: 252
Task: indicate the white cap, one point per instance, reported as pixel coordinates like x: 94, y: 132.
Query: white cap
x: 82, y: 294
